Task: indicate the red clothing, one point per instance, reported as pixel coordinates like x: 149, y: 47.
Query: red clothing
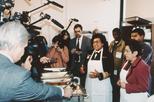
x: 138, y: 77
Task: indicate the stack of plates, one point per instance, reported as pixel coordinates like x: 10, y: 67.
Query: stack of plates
x: 54, y: 75
x: 55, y: 69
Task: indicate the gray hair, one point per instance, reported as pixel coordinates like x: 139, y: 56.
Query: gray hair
x: 11, y: 34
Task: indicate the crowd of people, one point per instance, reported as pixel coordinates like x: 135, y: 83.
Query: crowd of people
x: 115, y: 72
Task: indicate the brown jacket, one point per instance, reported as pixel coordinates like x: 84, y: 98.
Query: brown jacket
x: 117, y: 52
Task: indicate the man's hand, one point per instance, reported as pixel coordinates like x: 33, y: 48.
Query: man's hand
x: 73, y: 51
x: 27, y: 64
x: 82, y: 70
x: 68, y: 92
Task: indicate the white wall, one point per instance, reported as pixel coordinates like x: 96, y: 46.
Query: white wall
x: 141, y: 8
x: 101, y: 14
x: 49, y: 30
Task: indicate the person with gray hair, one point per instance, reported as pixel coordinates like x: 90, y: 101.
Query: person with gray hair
x: 16, y: 83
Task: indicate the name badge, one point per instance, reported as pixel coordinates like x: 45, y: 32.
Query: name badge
x: 118, y: 54
x: 115, y: 72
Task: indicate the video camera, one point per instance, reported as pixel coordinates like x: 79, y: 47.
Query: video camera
x: 37, y: 47
x: 8, y: 4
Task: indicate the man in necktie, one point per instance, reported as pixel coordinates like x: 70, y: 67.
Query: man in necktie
x: 78, y: 47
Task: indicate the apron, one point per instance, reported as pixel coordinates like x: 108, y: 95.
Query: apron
x: 98, y: 91
x: 131, y: 97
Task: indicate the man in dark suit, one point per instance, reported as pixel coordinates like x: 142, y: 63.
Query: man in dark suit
x: 79, y: 46
x: 16, y: 83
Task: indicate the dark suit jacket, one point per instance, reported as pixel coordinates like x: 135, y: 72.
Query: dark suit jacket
x: 85, y: 47
x: 16, y: 84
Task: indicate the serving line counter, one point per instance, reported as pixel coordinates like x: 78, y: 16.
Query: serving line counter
x: 60, y: 77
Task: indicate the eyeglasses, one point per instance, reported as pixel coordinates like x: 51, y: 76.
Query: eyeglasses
x: 77, y: 31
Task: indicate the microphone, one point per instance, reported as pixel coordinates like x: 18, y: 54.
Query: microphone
x: 55, y: 3
x: 46, y: 16
x: 74, y: 19
x: 57, y: 23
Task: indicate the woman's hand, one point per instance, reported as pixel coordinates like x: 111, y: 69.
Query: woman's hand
x: 121, y: 84
x: 27, y: 65
x: 82, y: 70
x: 93, y: 74
x: 44, y: 60
x: 118, y: 82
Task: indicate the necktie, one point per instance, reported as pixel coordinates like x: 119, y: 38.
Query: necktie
x: 96, y: 56
x: 77, y: 45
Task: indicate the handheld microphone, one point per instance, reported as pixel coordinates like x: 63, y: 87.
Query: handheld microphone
x: 74, y: 19
x: 57, y: 23
x: 55, y: 3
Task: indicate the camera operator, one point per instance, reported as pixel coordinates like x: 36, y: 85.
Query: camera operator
x: 57, y: 55
x: 37, y: 48
x: 17, y: 79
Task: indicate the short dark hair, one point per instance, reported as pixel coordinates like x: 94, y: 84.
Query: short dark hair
x: 57, y: 38
x: 78, y: 25
x: 103, y: 40
x: 135, y: 46
x: 139, y: 31
x: 117, y: 30
x: 65, y: 32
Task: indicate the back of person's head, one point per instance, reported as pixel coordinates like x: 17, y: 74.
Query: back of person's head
x: 139, y: 31
x: 135, y: 46
x: 95, y: 31
x: 78, y: 26
x: 12, y: 34
x: 56, y: 39
x: 64, y: 34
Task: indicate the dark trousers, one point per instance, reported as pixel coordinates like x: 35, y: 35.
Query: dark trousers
x: 75, y: 69
x: 116, y: 89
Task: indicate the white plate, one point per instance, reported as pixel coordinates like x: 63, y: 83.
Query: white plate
x: 53, y: 75
x: 54, y: 69
x: 57, y: 80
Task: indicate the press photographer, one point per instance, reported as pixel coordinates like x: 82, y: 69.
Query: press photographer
x: 58, y: 52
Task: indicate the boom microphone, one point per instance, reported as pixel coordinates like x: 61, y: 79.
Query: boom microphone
x: 55, y: 3
x: 57, y: 23
x: 74, y: 19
